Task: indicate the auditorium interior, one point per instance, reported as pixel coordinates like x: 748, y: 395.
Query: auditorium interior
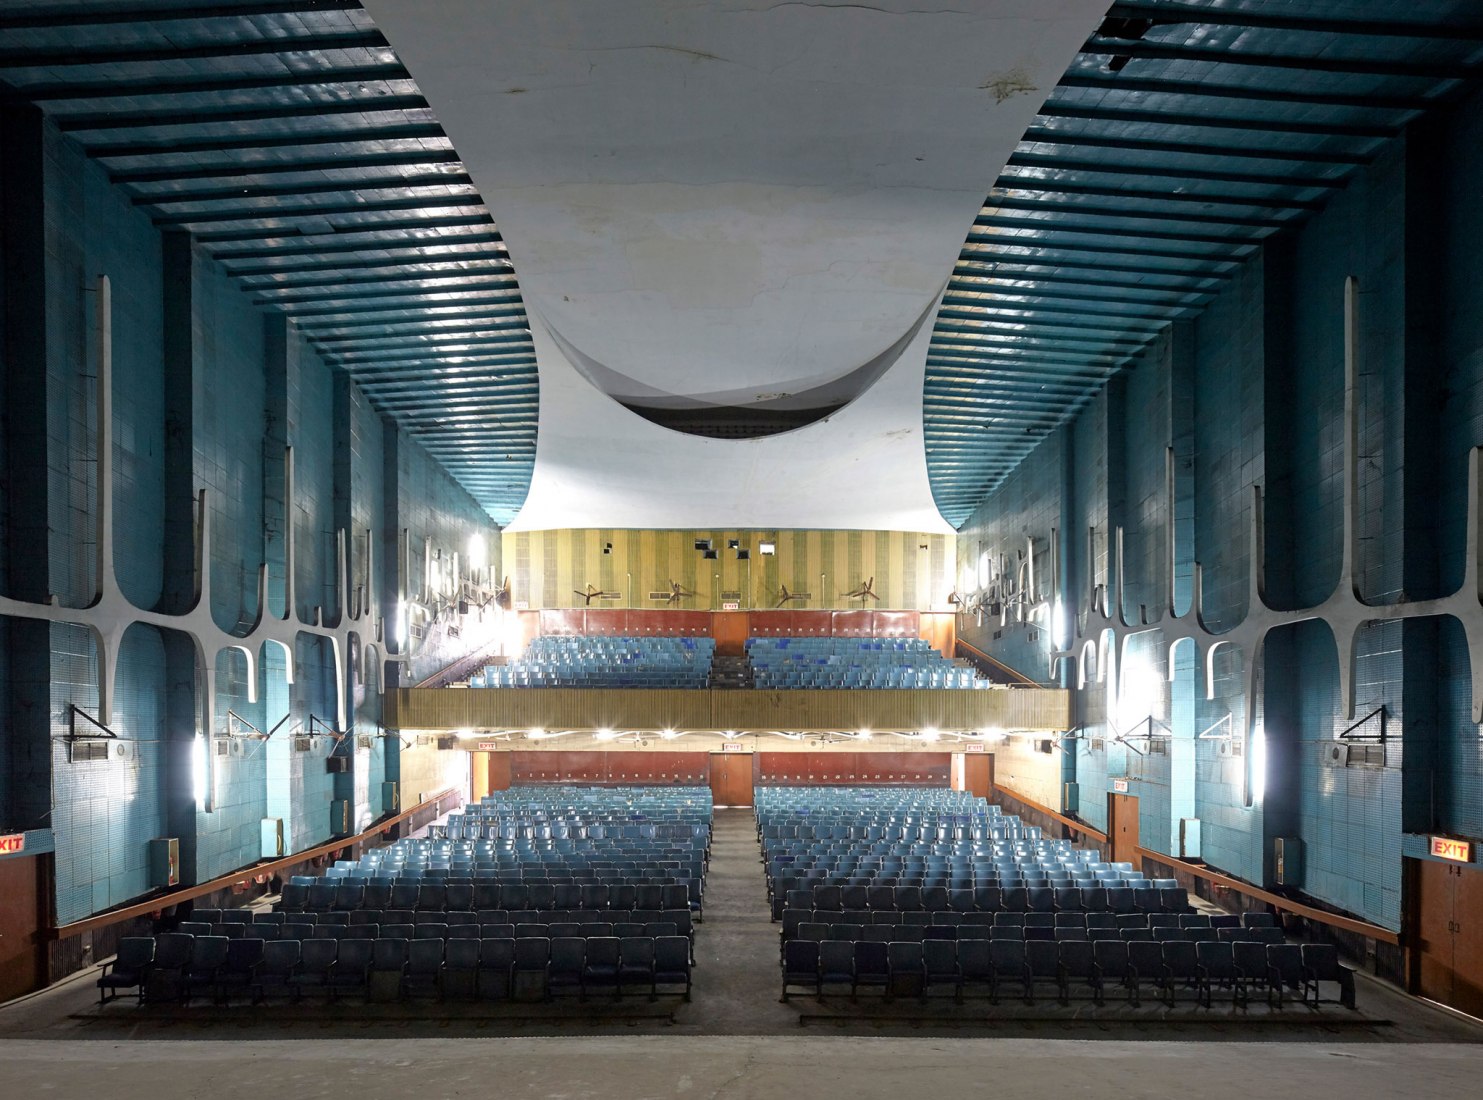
x: 563, y: 548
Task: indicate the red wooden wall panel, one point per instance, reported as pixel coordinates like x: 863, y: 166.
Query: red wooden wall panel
x: 804, y: 769
x: 617, y: 768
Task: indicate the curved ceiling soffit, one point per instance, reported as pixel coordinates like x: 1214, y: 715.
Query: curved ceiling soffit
x: 739, y: 414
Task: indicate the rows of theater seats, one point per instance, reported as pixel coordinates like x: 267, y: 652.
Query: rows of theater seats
x: 175, y: 967
x: 849, y: 662
x: 610, y: 877
x: 467, y: 897
x: 604, y: 662
x: 1171, y: 968
x: 916, y: 888
x: 936, y: 850
x: 534, y: 847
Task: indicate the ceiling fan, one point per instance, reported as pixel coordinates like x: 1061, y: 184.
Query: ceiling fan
x: 784, y: 596
x: 866, y: 590
x: 677, y: 592
x: 595, y: 594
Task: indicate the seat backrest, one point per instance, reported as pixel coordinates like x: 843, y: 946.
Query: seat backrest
x: 134, y: 952
x: 800, y: 956
x: 1287, y: 960
x: 904, y: 957
x: 319, y: 954
x: 209, y: 952
x: 243, y: 955
x: 1322, y: 960
x: 1147, y: 956
x: 1111, y: 956
x: 497, y: 952
x: 424, y: 956
x: 354, y: 955
x: 636, y: 950
x: 836, y: 957
x: 1076, y: 957
x: 603, y: 950
x: 461, y: 954
x: 1181, y: 958
x: 172, y: 950
x: 567, y: 954
x: 389, y: 953
x: 1007, y: 954
x: 280, y: 956
x: 671, y: 953
x: 1250, y: 957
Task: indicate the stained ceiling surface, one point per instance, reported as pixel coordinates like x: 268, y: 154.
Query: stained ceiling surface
x: 759, y: 283
x: 733, y: 206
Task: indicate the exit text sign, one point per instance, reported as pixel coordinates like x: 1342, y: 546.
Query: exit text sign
x: 1459, y: 851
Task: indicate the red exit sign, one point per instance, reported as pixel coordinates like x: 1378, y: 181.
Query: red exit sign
x: 1459, y: 851
x: 732, y: 746
x: 973, y: 746
x: 11, y: 845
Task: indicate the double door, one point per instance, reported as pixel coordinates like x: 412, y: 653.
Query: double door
x: 1447, y: 946
x: 731, y: 778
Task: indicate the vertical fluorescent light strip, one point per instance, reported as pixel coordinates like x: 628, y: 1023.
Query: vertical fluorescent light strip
x: 1258, y: 763
x: 198, y: 772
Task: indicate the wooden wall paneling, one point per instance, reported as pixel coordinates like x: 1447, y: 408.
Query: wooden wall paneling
x: 498, y: 765
x: 852, y: 624
x: 896, y: 624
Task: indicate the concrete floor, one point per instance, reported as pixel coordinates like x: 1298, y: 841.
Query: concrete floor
x: 734, y: 1037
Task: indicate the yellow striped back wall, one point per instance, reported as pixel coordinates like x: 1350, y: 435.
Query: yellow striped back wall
x: 913, y: 571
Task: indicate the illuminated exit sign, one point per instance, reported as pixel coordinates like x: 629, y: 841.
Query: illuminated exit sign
x: 13, y: 844
x: 488, y: 746
x: 732, y: 746
x: 1458, y: 851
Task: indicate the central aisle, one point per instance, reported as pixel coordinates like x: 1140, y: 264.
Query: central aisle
x: 737, y: 976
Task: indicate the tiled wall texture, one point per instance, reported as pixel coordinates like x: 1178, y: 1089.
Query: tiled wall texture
x: 208, y: 389
x: 1251, y: 393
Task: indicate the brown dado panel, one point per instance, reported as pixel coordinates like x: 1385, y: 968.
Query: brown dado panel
x: 658, y: 768
x: 819, y: 769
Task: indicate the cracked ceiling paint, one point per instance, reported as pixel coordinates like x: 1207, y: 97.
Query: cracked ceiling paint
x: 741, y: 199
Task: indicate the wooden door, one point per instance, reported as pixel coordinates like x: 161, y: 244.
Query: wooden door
x: 22, y: 958
x: 1433, y: 921
x: 978, y: 774
x: 1467, y: 941
x: 1122, y: 829
x: 731, y: 778
x: 1447, y: 916
x: 730, y: 629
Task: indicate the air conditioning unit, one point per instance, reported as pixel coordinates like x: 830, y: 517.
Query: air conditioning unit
x: 391, y: 799
x: 272, y: 838
x: 97, y: 749
x: 1071, y: 799
x: 1189, y: 838
x: 1287, y: 860
x: 164, y: 861
x: 1336, y: 754
x: 364, y: 741
x: 239, y: 746
x: 336, y: 764
x: 223, y: 746
x: 1046, y: 746
x: 303, y: 744
x: 340, y: 817
x: 447, y: 741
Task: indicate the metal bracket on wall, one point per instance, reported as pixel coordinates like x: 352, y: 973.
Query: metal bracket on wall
x: 97, y: 731
x: 1356, y: 732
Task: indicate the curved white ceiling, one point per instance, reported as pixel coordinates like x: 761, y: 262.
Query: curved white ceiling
x: 746, y: 200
